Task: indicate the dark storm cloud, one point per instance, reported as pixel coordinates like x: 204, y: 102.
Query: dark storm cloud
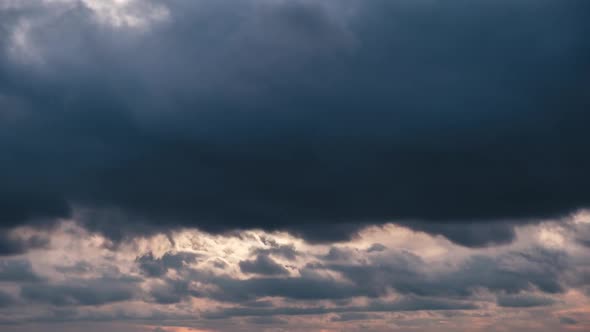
x: 308, y: 117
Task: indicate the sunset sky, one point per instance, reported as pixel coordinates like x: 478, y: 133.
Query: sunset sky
x: 294, y: 165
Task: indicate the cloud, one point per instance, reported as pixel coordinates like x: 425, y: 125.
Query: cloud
x: 238, y: 290
x: 17, y: 270
x: 352, y: 316
x: 6, y: 300
x: 274, y: 321
x: 524, y: 301
x: 82, y: 292
x: 80, y: 282
x: 12, y: 245
x: 157, y: 267
x: 295, y: 115
x: 285, y: 251
x: 404, y: 304
x: 171, y: 291
x: 407, y: 273
x: 80, y: 267
x: 567, y: 320
x: 376, y: 247
x: 517, y: 278
x: 263, y: 265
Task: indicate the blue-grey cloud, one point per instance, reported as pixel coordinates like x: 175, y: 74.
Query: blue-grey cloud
x: 17, y: 270
x: 263, y: 265
x: 567, y: 320
x: 308, y: 117
x: 82, y: 292
x: 157, y: 267
x: 404, y: 304
x: 524, y: 301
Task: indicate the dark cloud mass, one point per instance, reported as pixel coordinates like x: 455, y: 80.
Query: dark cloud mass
x: 312, y: 117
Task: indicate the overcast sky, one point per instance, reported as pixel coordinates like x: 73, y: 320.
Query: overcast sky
x: 294, y: 165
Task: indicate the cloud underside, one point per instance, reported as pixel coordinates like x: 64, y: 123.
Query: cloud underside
x: 456, y: 119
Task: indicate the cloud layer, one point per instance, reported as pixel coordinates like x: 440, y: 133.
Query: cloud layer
x: 246, y: 282
x: 141, y: 116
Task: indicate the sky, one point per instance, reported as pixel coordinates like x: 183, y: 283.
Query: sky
x: 294, y: 165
